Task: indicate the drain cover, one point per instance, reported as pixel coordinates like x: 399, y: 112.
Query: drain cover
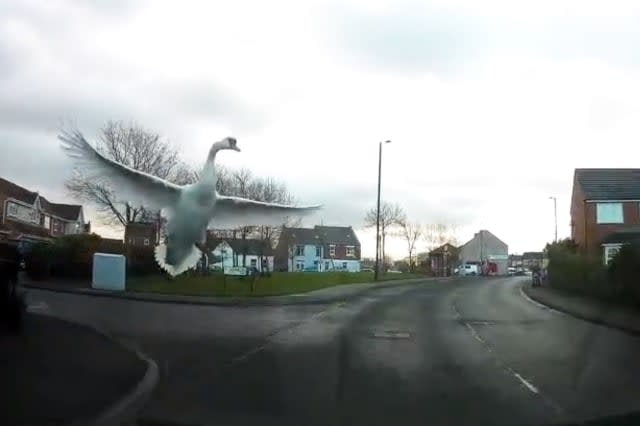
x: 391, y: 334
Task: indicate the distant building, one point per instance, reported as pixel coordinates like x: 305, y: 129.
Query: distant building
x: 442, y: 260
x: 531, y: 259
x: 487, y: 250
x: 320, y: 249
x: 28, y: 216
x: 141, y: 234
x: 232, y: 252
x: 515, y: 261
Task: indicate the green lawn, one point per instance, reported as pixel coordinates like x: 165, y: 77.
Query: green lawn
x: 277, y: 284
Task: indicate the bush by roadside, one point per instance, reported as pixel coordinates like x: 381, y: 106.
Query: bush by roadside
x: 620, y: 281
x: 71, y: 258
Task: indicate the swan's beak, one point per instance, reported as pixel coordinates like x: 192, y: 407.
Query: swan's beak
x: 233, y: 144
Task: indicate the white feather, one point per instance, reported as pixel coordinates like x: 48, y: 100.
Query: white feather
x: 192, y: 206
x: 232, y: 212
x: 189, y: 262
x: 136, y: 187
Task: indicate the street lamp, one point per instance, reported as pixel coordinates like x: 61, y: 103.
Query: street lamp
x: 375, y: 276
x: 555, y: 218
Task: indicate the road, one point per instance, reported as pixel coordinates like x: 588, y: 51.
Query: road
x: 466, y: 351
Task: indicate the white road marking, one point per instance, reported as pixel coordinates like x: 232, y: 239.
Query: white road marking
x: 38, y: 307
x: 525, y: 382
x: 391, y: 335
x: 538, y: 304
x: 480, y: 323
x: 246, y: 355
x: 474, y: 333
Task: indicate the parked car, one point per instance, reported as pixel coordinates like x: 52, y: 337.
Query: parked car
x: 511, y: 270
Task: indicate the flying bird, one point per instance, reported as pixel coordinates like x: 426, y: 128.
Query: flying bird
x: 190, y: 209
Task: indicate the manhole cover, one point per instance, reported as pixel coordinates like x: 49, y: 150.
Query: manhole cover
x: 391, y: 335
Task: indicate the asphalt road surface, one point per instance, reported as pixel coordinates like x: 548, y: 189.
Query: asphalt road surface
x: 464, y: 351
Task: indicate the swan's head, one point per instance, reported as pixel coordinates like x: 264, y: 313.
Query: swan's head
x: 226, y: 143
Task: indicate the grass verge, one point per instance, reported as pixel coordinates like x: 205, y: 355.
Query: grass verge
x: 279, y: 283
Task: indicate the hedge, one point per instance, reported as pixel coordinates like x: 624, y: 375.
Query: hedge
x: 575, y: 273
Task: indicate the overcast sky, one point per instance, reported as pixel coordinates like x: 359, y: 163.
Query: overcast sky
x: 490, y: 105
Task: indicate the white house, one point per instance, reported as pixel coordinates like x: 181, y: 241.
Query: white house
x: 231, y: 252
x: 318, y: 249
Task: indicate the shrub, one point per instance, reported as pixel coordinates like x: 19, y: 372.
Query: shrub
x: 67, y: 257
x: 572, y: 272
x: 141, y: 261
x: 624, y: 273
x: 38, y: 261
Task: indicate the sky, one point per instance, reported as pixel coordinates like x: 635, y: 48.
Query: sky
x: 489, y: 105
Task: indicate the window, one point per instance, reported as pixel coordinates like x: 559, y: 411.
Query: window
x: 332, y: 250
x: 254, y: 263
x: 351, y: 251
x: 609, y: 213
x: 318, y: 251
x: 610, y: 252
x: 47, y: 222
x: 299, y: 265
x: 146, y: 241
x: 326, y: 266
x: 12, y: 209
x: 299, y: 250
x: 344, y: 265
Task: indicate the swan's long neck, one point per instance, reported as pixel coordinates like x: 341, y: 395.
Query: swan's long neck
x: 213, y: 152
x: 208, y: 175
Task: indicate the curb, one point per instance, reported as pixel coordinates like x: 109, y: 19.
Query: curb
x: 128, y: 406
x: 592, y: 319
x: 300, y: 299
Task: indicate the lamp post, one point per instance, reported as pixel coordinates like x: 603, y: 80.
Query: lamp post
x: 375, y: 277
x: 555, y: 218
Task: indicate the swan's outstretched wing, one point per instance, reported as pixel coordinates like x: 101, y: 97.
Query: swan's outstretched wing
x: 136, y: 187
x: 231, y: 212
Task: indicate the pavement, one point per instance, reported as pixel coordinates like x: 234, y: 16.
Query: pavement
x: 60, y: 373
x: 466, y: 351
x: 613, y: 315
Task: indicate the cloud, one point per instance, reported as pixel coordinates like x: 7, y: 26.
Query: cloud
x: 446, y: 37
x: 489, y: 106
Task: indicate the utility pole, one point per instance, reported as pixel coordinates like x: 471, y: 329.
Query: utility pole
x: 555, y: 218
x: 376, y: 272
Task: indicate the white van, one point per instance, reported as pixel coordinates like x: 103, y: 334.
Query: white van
x: 468, y: 269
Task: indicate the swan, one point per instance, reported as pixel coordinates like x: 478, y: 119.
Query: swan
x: 190, y: 209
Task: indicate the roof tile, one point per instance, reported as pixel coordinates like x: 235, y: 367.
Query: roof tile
x: 609, y: 184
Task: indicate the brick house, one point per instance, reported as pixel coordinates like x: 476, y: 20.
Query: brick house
x: 28, y: 216
x: 321, y: 248
x: 605, y: 210
x: 141, y: 234
x: 443, y: 260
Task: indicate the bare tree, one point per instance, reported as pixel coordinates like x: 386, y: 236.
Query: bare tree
x: 136, y: 147
x: 438, y: 234
x: 242, y: 183
x: 390, y: 215
x: 411, y: 232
